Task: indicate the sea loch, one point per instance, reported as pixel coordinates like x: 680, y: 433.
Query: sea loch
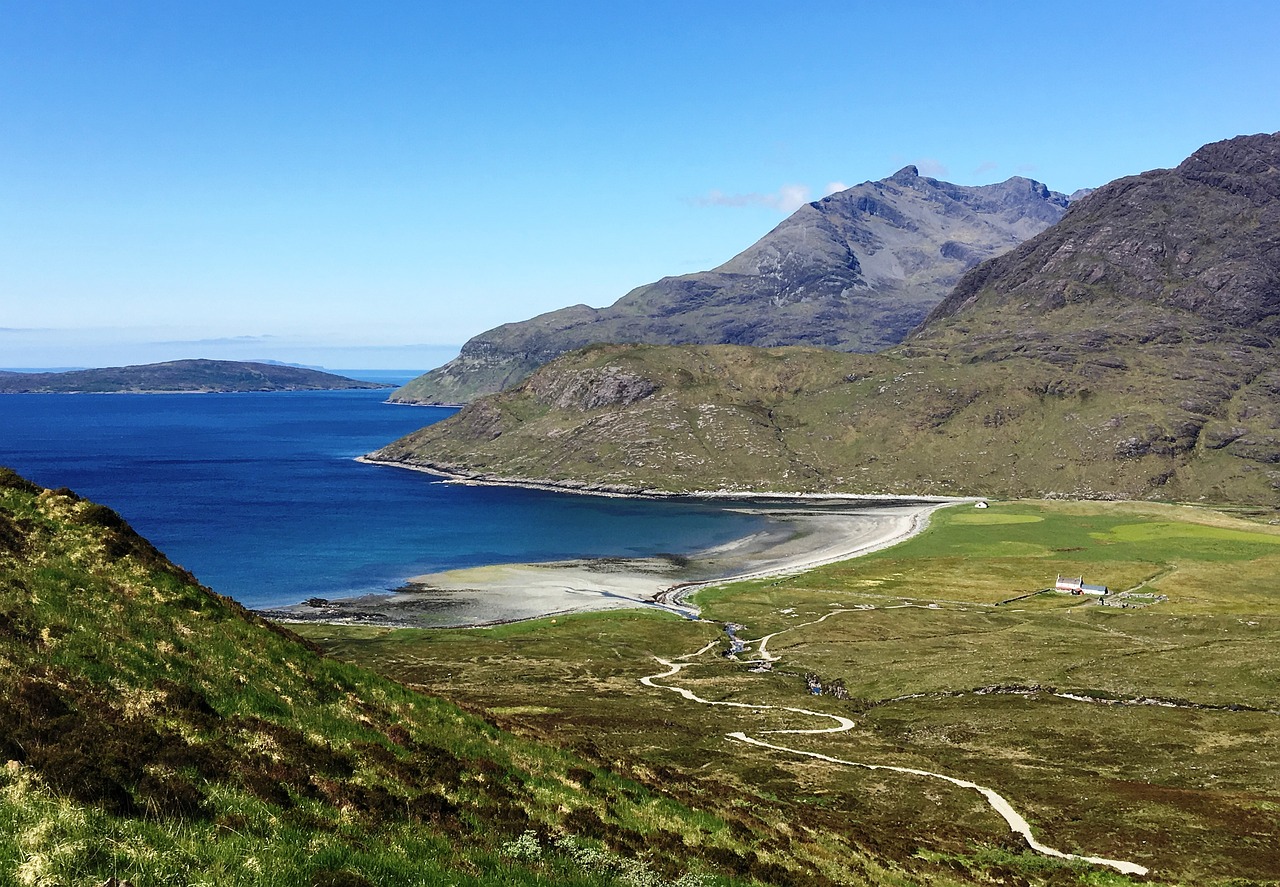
x: 261, y: 497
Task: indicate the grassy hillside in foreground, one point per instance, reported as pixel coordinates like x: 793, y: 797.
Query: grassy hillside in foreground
x: 153, y: 731
x: 942, y: 678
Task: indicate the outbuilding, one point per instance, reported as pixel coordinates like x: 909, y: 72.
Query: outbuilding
x: 1068, y: 585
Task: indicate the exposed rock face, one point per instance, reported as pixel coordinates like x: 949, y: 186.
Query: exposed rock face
x: 1130, y: 351
x: 592, y: 388
x: 855, y: 271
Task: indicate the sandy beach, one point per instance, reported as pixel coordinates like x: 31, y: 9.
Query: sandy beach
x: 797, y: 536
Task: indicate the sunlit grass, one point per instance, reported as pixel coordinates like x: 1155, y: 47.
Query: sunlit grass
x: 162, y: 735
x: 1187, y: 790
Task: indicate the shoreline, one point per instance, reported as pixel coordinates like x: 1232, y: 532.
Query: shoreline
x: 155, y: 392
x: 582, y: 488
x: 918, y: 522
x: 801, y: 533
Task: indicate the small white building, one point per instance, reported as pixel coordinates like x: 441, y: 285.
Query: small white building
x: 1067, y: 585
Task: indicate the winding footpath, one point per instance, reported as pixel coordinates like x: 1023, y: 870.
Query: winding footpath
x: 1016, y: 822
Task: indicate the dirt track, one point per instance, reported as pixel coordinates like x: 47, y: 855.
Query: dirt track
x: 998, y: 802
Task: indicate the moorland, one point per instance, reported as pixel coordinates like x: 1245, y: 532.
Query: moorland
x: 1141, y: 729
x: 154, y: 732
x: 894, y: 719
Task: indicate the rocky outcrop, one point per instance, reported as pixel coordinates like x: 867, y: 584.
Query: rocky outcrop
x: 592, y: 388
x: 855, y: 271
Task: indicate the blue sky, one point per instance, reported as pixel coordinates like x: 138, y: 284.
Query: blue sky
x: 348, y: 184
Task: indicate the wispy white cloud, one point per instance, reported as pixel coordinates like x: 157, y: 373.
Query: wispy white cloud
x: 221, y: 340
x: 787, y: 199
x: 932, y: 168
x: 791, y: 197
x: 833, y: 187
x: 985, y: 166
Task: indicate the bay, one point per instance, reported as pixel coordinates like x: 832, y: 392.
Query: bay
x: 259, y: 494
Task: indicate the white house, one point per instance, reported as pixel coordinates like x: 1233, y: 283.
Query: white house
x: 1077, y: 585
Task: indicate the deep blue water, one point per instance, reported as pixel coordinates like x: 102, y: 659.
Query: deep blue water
x: 259, y: 496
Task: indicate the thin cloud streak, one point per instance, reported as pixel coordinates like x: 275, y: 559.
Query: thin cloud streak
x: 787, y: 199
x: 935, y: 169
x: 221, y: 340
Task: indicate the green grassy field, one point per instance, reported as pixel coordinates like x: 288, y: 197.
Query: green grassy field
x: 1187, y: 784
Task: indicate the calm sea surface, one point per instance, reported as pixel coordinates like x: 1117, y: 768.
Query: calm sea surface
x: 259, y: 496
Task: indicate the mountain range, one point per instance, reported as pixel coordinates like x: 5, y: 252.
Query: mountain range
x: 1128, y: 351
x: 855, y: 271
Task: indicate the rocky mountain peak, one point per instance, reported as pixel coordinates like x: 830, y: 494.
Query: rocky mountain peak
x: 1248, y: 166
x: 855, y: 271
x: 1130, y: 351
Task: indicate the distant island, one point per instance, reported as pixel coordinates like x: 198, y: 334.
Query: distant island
x: 180, y: 376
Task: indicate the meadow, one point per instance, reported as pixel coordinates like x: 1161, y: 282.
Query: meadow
x: 1144, y: 732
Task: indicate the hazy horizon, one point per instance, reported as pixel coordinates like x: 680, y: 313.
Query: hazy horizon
x: 44, y: 346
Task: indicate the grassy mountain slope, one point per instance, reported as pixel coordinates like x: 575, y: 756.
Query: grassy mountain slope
x: 180, y: 376
x: 726, y: 418
x: 156, y: 732
x: 855, y: 271
x: 1130, y: 351
x: 1185, y: 256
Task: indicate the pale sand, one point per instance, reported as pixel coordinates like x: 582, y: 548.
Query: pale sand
x: 797, y: 539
